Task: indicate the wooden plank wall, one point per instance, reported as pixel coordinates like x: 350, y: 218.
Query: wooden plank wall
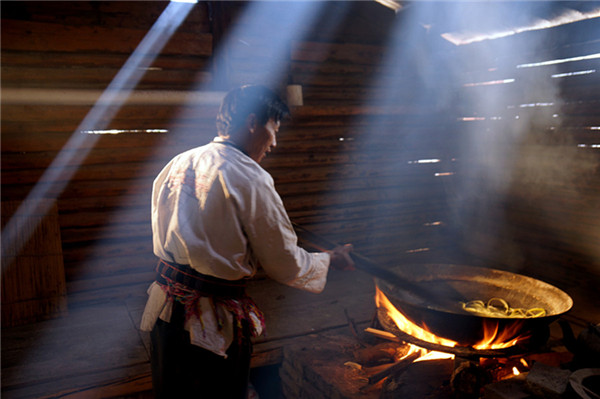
x: 384, y: 170
x: 528, y: 199
x: 103, y: 202
x: 332, y: 168
x: 348, y: 166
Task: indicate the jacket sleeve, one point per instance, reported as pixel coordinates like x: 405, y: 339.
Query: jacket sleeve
x: 274, y: 243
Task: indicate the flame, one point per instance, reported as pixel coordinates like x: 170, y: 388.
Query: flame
x: 434, y: 355
x: 492, y: 338
x: 516, y: 371
x: 407, y: 326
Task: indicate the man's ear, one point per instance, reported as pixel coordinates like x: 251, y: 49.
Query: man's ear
x: 251, y: 122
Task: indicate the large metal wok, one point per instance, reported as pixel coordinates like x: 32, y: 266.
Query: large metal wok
x: 431, y: 296
x: 434, y: 302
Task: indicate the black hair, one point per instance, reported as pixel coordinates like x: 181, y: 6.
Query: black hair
x: 246, y: 100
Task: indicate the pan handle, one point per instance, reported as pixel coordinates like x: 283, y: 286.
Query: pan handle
x: 365, y: 264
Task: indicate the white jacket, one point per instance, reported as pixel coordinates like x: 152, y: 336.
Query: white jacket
x: 217, y: 210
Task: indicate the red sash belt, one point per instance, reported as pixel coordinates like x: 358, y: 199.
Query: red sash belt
x: 168, y: 272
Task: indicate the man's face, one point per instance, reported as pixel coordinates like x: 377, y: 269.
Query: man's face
x: 263, y: 139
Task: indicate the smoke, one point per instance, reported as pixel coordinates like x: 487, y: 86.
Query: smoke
x: 523, y: 180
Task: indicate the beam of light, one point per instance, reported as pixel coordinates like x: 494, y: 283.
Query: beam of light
x: 288, y: 21
x: 121, y: 131
x: 429, y: 224
x: 560, y: 61
x: 62, y: 168
x: 421, y: 161
x: 576, y: 73
x: 569, y: 16
x: 471, y: 118
x: 391, y: 4
x: 501, y: 160
x: 123, y: 97
x: 534, y: 105
x: 489, y: 83
x: 406, y: 51
x: 416, y: 250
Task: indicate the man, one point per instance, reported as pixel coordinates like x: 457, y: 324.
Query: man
x: 216, y: 218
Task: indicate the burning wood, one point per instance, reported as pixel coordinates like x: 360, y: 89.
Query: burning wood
x: 467, y: 380
x: 380, y: 365
x: 413, y: 362
x: 386, y: 352
x: 394, y: 368
x: 422, y: 379
x: 402, y: 323
x: 400, y: 336
x: 493, y: 339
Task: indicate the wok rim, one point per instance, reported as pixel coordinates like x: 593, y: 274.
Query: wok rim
x: 565, y: 299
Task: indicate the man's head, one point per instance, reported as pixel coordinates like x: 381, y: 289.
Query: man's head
x: 250, y: 117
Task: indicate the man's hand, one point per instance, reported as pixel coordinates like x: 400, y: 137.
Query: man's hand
x: 340, y: 258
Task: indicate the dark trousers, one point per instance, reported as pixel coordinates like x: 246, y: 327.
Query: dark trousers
x: 183, y: 370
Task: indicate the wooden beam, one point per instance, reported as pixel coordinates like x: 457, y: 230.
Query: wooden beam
x: 91, y: 97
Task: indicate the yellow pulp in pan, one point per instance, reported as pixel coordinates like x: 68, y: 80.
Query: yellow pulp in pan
x: 498, y: 307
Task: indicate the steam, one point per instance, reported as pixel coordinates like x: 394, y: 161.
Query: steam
x: 519, y: 152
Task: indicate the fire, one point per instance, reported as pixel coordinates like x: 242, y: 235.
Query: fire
x: 407, y: 326
x: 492, y: 338
x: 410, y: 328
x: 434, y: 355
x: 497, y: 369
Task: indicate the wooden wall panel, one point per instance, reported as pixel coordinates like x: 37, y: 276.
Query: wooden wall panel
x: 528, y: 201
x: 104, y: 205
x: 70, y: 52
x: 391, y: 177
x: 33, y: 276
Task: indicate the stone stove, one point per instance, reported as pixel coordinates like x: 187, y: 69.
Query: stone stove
x: 344, y: 364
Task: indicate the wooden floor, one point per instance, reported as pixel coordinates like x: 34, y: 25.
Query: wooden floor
x: 97, y: 351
